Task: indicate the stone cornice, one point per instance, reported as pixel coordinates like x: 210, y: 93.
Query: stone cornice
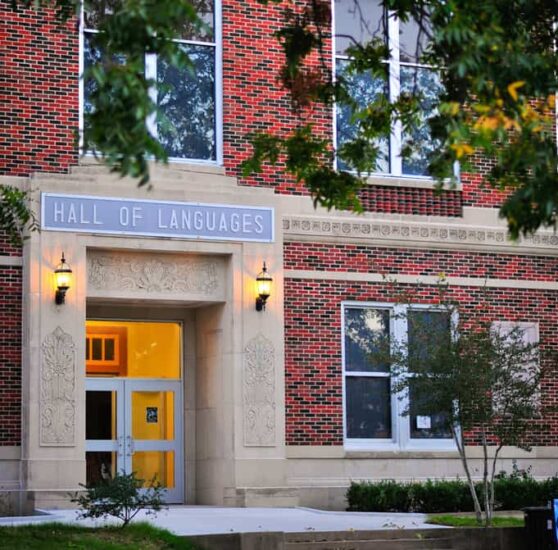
x: 419, y: 234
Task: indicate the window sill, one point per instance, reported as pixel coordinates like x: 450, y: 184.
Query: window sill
x: 409, y: 181
x: 421, y: 454
x: 415, y: 449
x: 204, y: 167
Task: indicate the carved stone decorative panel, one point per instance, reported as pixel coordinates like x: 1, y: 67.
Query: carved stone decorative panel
x: 258, y: 390
x: 154, y: 273
x: 425, y: 233
x: 57, y: 390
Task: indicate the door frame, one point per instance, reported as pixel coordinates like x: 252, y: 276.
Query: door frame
x: 124, y: 445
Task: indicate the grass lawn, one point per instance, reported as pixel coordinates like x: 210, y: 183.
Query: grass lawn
x: 57, y: 536
x: 470, y: 521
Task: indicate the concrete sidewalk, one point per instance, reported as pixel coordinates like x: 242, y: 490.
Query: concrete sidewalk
x: 202, y: 520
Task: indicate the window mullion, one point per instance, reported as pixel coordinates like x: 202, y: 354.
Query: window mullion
x: 151, y: 74
x: 394, y: 91
x: 400, y: 401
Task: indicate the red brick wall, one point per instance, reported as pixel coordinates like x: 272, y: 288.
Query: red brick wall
x: 10, y: 355
x: 388, y: 261
x: 410, y: 200
x: 38, y: 92
x: 313, y: 367
x: 254, y: 99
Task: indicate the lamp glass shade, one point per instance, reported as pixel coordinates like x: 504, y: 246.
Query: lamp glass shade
x: 63, y: 275
x: 263, y: 284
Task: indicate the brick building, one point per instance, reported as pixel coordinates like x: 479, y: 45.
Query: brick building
x: 158, y: 360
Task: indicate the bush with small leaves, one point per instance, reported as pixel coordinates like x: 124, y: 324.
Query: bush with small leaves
x: 122, y: 496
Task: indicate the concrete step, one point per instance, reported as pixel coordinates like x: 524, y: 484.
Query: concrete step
x: 377, y: 540
x: 395, y: 544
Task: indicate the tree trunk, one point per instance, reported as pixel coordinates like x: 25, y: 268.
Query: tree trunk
x: 485, y: 483
x: 461, y: 449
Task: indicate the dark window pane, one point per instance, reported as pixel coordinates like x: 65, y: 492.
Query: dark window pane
x: 91, y: 56
x: 206, y: 12
x: 412, y: 41
x: 87, y: 342
x: 364, y: 89
x: 429, y: 332
x: 97, y: 349
x: 100, y: 415
x: 95, y: 11
x: 357, y: 21
x: 100, y: 466
x: 109, y: 349
x: 367, y: 340
x: 426, y: 424
x: 187, y: 102
x: 368, y: 408
x: 425, y: 82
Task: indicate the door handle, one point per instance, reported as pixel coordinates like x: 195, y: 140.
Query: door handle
x: 130, y: 444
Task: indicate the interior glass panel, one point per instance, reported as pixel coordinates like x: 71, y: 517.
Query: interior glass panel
x: 153, y: 415
x: 155, y: 465
x: 138, y: 349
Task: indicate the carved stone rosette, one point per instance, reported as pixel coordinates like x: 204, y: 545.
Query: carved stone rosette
x: 57, y: 394
x: 259, y: 393
x: 152, y: 273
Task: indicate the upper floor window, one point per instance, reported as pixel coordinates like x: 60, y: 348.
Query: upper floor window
x: 186, y: 97
x: 374, y: 416
x: 359, y: 21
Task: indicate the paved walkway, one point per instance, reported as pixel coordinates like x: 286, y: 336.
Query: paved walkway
x: 201, y: 520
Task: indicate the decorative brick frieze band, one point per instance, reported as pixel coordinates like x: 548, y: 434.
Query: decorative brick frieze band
x: 435, y: 235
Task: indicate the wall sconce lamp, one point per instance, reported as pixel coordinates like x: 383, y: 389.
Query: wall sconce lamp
x: 263, y: 288
x: 63, y: 277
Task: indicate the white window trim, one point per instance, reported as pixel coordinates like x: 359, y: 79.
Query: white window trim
x: 400, y: 425
x: 395, y: 161
x: 151, y: 72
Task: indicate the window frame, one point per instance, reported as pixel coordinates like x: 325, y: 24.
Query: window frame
x: 394, y: 64
x: 400, y: 425
x: 151, y: 72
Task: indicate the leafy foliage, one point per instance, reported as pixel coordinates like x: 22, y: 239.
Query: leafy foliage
x: 15, y: 216
x: 498, y: 75
x: 122, y: 496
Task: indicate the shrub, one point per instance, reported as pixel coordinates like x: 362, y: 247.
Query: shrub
x: 122, y: 497
x: 381, y: 496
x: 512, y: 492
x: 442, y: 496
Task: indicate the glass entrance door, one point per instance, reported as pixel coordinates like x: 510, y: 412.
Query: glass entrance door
x: 133, y: 426
x: 134, y: 402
